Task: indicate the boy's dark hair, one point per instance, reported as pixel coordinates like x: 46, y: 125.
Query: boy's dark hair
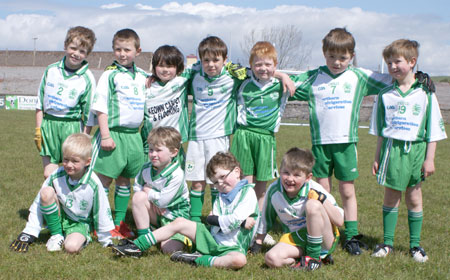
x: 339, y: 40
x: 214, y: 46
x: 409, y: 49
x: 165, y: 136
x: 169, y: 56
x: 297, y: 159
x: 85, y: 36
x: 223, y: 160
x: 127, y: 34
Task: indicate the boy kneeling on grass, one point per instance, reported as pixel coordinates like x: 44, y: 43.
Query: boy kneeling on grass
x: 71, y: 199
x: 308, y: 214
x: 225, y: 241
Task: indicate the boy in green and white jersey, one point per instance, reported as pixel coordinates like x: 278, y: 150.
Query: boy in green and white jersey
x: 160, y: 192
x: 119, y: 105
x: 72, y: 199
x: 334, y: 93
x: 232, y: 222
x: 408, y: 122
x: 64, y: 97
x: 307, y: 212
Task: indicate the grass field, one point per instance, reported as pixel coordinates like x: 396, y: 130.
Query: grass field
x: 21, y: 177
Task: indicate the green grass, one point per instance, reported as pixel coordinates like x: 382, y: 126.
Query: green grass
x: 21, y: 177
x: 441, y: 79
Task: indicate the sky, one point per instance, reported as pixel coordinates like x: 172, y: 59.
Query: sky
x: 374, y: 24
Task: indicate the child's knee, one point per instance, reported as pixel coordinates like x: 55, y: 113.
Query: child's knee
x: 313, y: 207
x: 47, y: 194
x: 72, y: 247
x: 272, y: 259
x: 239, y: 261
x: 139, y: 198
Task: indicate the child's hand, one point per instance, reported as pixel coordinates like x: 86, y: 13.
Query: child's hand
x: 428, y: 168
x: 108, y: 144
x: 249, y: 223
x: 375, y: 168
x: 288, y: 85
x: 149, y: 81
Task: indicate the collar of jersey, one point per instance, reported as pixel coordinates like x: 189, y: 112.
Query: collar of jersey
x: 328, y: 72
x: 212, y: 79
x: 166, y: 171
x: 123, y: 69
x: 262, y: 86
x: 78, y: 183
x: 79, y: 72
x: 303, y: 192
x: 404, y: 94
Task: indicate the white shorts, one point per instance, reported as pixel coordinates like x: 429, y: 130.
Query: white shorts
x: 198, y: 155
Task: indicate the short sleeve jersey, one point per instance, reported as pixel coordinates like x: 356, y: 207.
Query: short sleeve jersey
x: 231, y: 216
x: 409, y: 116
x: 66, y: 95
x: 166, y: 105
x: 168, y: 189
x: 290, y: 211
x: 121, y: 95
x: 82, y: 201
x: 335, y: 100
x: 214, y: 105
x: 261, y: 105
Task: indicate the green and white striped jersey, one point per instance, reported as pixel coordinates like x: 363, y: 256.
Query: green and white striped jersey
x: 231, y: 216
x: 261, y: 105
x: 168, y: 189
x: 121, y: 95
x: 290, y: 211
x: 82, y: 201
x: 335, y: 100
x: 409, y: 116
x: 166, y: 105
x: 214, y: 105
x: 66, y: 96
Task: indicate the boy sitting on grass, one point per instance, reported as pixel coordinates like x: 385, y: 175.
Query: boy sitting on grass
x: 231, y: 222
x: 308, y: 214
x: 71, y: 199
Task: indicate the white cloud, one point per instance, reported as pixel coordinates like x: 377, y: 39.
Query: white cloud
x: 112, y: 6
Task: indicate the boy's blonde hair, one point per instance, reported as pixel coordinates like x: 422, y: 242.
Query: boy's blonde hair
x: 339, y: 40
x: 223, y: 160
x: 78, y: 144
x: 297, y: 159
x: 85, y: 36
x: 214, y: 46
x: 409, y: 49
x: 263, y: 49
x: 127, y: 34
x: 165, y: 136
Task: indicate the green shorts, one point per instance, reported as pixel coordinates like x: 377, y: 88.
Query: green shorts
x: 162, y: 221
x: 401, y: 163
x: 256, y: 151
x: 207, y: 245
x: 70, y: 226
x: 54, y: 131
x: 342, y: 158
x: 125, y: 160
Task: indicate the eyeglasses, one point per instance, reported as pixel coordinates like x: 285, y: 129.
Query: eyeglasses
x: 224, y: 177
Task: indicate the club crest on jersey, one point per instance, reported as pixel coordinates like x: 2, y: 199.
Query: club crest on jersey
x: 274, y: 95
x: 83, y: 205
x: 72, y: 94
x: 347, y: 88
x: 190, y: 166
x: 416, y: 109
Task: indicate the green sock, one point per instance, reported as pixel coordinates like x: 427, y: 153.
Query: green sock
x: 313, y: 246
x: 145, y: 241
x: 51, y: 216
x: 205, y: 260
x: 144, y: 231
x: 197, y: 199
x: 214, y: 194
x: 390, y: 216
x: 415, y: 220
x: 351, y: 229
x: 121, y: 198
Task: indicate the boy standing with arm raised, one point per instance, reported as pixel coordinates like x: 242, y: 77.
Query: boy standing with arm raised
x: 408, y: 123
x: 119, y: 104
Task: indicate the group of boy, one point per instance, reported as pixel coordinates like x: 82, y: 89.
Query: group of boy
x: 307, y: 210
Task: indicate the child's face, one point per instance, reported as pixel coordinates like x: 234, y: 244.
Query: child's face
x: 263, y: 68
x: 75, y: 166
x: 165, y: 72
x: 293, y: 181
x: 75, y: 54
x: 212, y: 65
x: 225, y: 180
x: 399, y: 67
x: 337, y: 62
x: 125, y: 52
x: 160, y: 156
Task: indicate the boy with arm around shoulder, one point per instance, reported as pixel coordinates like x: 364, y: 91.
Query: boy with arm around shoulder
x: 408, y: 122
x: 119, y: 105
x: 64, y: 97
x: 232, y: 220
x: 308, y: 213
